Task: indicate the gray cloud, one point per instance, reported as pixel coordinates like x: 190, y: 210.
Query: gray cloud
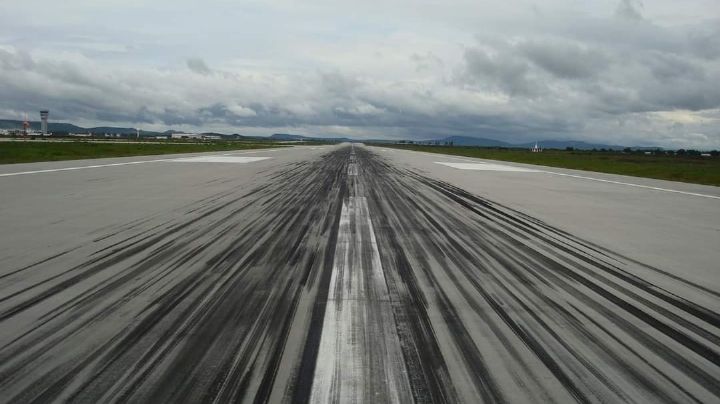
x: 614, y: 76
x: 565, y: 60
x: 503, y: 70
x: 629, y: 9
x: 198, y: 66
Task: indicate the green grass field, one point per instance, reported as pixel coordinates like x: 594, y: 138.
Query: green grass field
x: 27, y: 152
x: 693, y: 169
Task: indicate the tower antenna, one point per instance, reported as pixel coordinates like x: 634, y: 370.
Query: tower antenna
x: 44, y: 121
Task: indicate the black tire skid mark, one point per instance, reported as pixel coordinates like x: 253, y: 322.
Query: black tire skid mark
x: 666, y: 296
x: 236, y: 319
x: 177, y: 296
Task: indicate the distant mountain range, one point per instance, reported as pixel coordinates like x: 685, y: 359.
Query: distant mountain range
x: 61, y: 127
x: 471, y: 141
x: 285, y: 137
x: 546, y: 144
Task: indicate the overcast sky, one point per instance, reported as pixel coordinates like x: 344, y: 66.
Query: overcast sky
x: 622, y: 72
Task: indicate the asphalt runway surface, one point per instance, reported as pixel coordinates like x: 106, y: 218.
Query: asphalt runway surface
x: 354, y: 274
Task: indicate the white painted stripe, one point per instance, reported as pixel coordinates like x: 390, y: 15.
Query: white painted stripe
x: 252, y: 151
x: 359, y: 346
x: 457, y: 165
x: 332, y: 342
x: 81, y: 167
x: 632, y: 185
x: 486, y: 167
x: 219, y: 159
x: 52, y: 170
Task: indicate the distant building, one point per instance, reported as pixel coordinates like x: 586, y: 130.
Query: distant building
x: 185, y: 136
x: 194, y: 136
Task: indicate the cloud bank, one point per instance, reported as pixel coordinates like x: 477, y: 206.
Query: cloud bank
x: 625, y: 74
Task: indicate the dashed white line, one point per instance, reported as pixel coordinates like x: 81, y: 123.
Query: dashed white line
x: 358, y: 321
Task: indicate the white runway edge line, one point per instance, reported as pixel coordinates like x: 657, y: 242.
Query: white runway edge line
x: 219, y: 159
x: 632, y: 185
x: 52, y: 170
x: 81, y: 167
x: 251, y: 151
x: 459, y: 166
x: 486, y: 167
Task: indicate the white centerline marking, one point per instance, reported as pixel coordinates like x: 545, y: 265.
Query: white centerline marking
x: 360, y: 357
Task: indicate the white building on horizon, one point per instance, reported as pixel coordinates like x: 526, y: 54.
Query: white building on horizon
x: 194, y: 136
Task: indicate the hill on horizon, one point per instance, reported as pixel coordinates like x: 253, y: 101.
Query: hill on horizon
x: 547, y: 144
x: 63, y: 127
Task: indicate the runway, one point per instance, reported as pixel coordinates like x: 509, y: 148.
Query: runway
x: 354, y: 274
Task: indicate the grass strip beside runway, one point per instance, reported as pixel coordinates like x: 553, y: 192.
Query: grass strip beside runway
x: 28, y: 152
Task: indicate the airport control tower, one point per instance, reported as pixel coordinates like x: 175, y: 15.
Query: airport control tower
x: 44, y: 121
